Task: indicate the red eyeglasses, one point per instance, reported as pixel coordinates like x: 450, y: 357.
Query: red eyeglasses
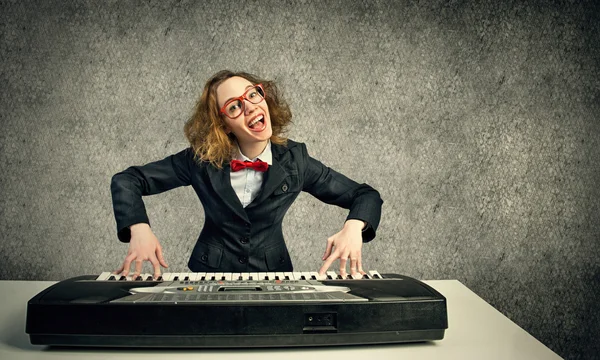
x: 235, y: 107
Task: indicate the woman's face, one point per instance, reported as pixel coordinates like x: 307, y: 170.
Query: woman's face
x: 245, y: 127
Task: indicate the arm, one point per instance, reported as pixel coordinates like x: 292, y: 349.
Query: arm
x: 128, y: 187
x: 333, y: 188
x: 362, y: 221
x: 133, y: 225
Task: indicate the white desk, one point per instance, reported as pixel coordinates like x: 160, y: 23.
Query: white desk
x: 476, y: 331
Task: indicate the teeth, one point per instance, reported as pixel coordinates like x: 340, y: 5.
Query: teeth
x: 259, y: 118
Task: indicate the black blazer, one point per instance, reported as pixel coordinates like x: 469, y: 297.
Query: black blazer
x: 237, y: 239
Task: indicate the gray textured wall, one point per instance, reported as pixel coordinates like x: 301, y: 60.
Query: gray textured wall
x: 487, y: 113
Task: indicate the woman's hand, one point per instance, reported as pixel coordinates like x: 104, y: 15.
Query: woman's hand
x: 143, y: 246
x: 346, y: 244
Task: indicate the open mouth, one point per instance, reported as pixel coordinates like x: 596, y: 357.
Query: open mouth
x: 258, y: 124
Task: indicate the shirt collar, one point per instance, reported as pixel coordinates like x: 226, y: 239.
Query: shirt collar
x: 266, y: 155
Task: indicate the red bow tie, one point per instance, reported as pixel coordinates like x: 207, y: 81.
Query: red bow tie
x: 237, y: 165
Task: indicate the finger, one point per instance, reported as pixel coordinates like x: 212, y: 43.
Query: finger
x: 328, y: 263
x: 360, y: 268
x: 127, y: 264
x: 353, y: 265
x: 116, y: 272
x: 156, y: 266
x: 328, y: 249
x: 343, y: 260
x: 138, y: 267
x: 159, y: 255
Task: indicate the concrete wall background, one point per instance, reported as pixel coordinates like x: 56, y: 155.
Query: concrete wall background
x: 486, y: 111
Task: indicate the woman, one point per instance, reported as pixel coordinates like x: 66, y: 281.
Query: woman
x: 247, y: 175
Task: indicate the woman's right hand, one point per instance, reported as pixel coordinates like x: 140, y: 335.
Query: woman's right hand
x: 143, y: 246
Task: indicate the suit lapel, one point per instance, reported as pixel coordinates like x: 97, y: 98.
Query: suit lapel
x: 274, y: 175
x: 221, y: 182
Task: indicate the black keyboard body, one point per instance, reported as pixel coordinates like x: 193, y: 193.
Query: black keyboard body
x: 83, y: 312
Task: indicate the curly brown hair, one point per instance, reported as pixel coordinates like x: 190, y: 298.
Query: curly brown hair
x: 205, y: 129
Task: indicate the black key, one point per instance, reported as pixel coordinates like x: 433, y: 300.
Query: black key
x: 187, y: 278
x: 312, y: 277
x: 112, y: 277
x: 365, y: 276
x: 138, y: 278
x: 176, y: 278
x: 122, y: 278
x: 240, y: 277
x: 302, y: 277
x: 249, y: 277
x: 339, y: 277
x: 159, y: 278
x: 149, y: 278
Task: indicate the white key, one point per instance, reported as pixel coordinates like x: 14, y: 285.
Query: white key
x: 271, y: 276
x: 306, y: 275
x: 317, y: 276
x: 296, y: 275
x: 246, y: 276
x: 375, y: 275
x: 167, y: 276
x: 289, y: 275
x: 183, y: 276
x: 254, y: 276
x: 280, y: 275
x: 146, y: 275
x: 219, y: 276
x: 178, y: 276
x: 332, y: 274
x: 195, y: 276
x: 210, y: 275
x: 104, y: 276
x: 261, y: 276
x: 229, y: 276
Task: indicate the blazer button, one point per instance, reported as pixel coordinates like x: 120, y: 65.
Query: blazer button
x: 243, y: 259
x: 204, y: 257
x: 244, y: 240
x: 284, y: 187
x: 281, y: 260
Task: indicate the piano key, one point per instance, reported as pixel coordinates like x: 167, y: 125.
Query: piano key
x: 317, y: 276
x: 176, y: 277
x: 375, y: 275
x: 280, y: 276
x: 253, y: 275
x: 331, y: 275
x: 195, y: 276
x: 210, y: 276
x: 296, y: 275
x: 219, y: 276
x: 230, y: 276
x: 246, y: 276
x: 104, y: 276
x: 306, y: 275
x: 262, y: 276
x: 288, y: 276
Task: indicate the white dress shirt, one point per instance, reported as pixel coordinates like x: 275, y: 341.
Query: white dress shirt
x: 247, y: 182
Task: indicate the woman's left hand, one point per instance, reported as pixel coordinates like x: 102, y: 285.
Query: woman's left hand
x: 344, y: 245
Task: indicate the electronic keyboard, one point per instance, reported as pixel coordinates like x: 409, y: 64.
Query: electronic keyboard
x: 231, y: 310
